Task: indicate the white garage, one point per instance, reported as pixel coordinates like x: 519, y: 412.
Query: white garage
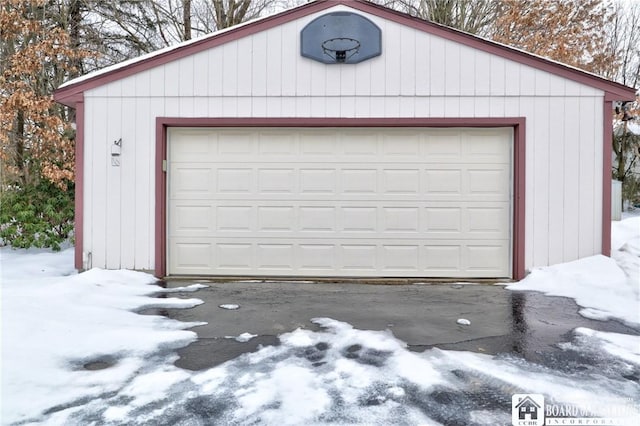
x: 366, y: 202
x: 341, y: 139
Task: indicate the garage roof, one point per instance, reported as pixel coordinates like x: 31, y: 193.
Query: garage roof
x: 71, y: 92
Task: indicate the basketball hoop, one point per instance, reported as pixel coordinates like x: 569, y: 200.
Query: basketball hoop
x: 340, y: 38
x: 340, y: 49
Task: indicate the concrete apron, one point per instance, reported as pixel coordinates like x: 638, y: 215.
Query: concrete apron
x: 423, y: 316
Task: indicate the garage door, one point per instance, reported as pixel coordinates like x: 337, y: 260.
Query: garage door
x: 351, y: 202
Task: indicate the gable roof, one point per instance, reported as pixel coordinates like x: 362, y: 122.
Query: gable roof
x: 71, y: 92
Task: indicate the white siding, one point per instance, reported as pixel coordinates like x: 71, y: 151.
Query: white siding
x: 418, y: 75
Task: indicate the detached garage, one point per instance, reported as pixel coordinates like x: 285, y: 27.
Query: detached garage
x: 341, y: 139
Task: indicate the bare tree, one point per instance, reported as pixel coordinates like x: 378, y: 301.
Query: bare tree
x: 471, y: 16
x: 624, y: 41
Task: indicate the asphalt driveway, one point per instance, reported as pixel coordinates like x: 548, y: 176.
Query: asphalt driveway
x: 527, y: 324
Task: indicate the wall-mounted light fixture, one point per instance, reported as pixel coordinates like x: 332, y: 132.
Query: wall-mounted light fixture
x: 116, y: 150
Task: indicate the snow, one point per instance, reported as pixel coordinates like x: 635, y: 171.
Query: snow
x: 230, y: 306
x: 463, y: 321
x: 242, y: 338
x: 605, y: 288
x: 56, y: 324
x: 626, y: 232
x: 55, y: 321
x: 622, y: 346
x: 189, y: 288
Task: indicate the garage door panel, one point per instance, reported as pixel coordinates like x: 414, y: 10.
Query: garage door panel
x: 400, y: 258
x: 275, y: 256
x: 443, y: 220
x: 406, y: 146
x: 488, y: 221
x: 487, y: 258
x: 192, y: 254
x: 342, y: 220
x: 488, y: 182
x: 192, y: 218
x: 440, y: 182
x: 234, y: 144
x: 400, y: 181
x: 321, y: 219
x: 442, y: 258
x: 443, y: 147
x: 317, y: 257
x: 276, y: 218
x: 234, y: 181
x: 279, y: 144
x: 195, y: 146
x: 320, y: 146
x: 234, y: 256
x: 358, y: 219
x: 318, y: 181
x: 235, y: 219
x: 360, y: 257
x: 487, y: 146
x: 358, y: 181
x: 281, y: 181
x: 192, y: 182
x: 340, y: 202
x: 398, y: 219
x: 346, y: 182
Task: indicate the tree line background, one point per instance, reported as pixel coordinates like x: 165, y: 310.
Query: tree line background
x: 46, y: 42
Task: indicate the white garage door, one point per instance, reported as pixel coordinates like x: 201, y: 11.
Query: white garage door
x: 366, y: 202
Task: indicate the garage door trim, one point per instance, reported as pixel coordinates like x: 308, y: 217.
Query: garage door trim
x: 516, y: 123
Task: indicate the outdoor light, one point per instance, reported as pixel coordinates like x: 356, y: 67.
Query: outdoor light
x: 116, y: 149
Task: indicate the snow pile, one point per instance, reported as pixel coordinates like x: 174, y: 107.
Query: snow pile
x: 625, y: 235
x: 622, y: 346
x: 56, y: 325
x: 604, y: 287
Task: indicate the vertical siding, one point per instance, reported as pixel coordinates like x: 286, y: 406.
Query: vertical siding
x: 555, y: 186
x: 142, y: 208
x: 114, y: 189
x: 540, y: 185
x: 418, y: 75
x: 98, y: 174
x: 129, y: 120
x: 587, y: 178
x: 572, y: 214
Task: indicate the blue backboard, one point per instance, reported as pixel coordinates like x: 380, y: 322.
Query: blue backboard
x: 340, y: 38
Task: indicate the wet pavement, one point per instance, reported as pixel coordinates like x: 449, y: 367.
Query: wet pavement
x: 525, y: 324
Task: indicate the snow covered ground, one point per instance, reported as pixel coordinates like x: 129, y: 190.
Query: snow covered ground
x: 75, y: 352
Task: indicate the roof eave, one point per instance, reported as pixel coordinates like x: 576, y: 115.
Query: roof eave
x: 612, y: 89
x: 67, y: 92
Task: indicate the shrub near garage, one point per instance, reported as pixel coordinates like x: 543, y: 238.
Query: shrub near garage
x: 39, y: 215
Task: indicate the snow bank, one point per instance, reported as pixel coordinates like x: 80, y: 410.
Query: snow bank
x: 625, y: 234
x: 604, y: 287
x: 55, y: 322
x: 621, y: 346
